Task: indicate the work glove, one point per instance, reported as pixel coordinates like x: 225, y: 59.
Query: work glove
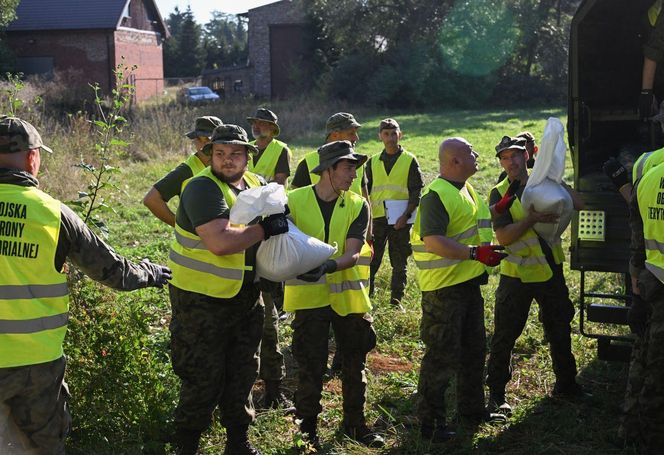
x: 508, y: 198
x: 314, y: 275
x: 487, y: 254
x: 159, y: 275
x: 637, y: 315
x: 647, y: 104
x: 274, y: 225
x: 616, y: 172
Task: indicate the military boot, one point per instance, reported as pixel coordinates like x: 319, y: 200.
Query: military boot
x: 364, y: 435
x: 275, y: 398
x: 237, y: 442
x: 187, y: 441
x: 309, y: 430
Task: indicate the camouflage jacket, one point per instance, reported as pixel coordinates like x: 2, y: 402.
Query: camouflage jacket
x: 84, y: 249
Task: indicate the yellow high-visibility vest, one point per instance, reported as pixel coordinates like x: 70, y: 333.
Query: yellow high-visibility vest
x: 646, y: 162
x: 34, y: 298
x: 389, y: 187
x: 653, y: 12
x: 650, y: 195
x: 196, y: 165
x: 525, y: 259
x: 195, y: 268
x: 466, y: 212
x: 312, y: 160
x: 345, y: 291
x: 267, y: 163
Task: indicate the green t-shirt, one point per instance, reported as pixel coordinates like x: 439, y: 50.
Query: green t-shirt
x: 170, y: 185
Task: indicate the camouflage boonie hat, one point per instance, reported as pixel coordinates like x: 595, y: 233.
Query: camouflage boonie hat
x: 340, y: 121
x: 204, y: 126
x: 511, y: 143
x: 17, y: 135
x: 266, y: 115
x: 229, y: 134
x: 388, y: 124
x: 528, y: 136
x: 329, y: 154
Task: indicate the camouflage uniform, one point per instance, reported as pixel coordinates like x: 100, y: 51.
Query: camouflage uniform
x: 452, y: 330
x: 272, y: 366
x: 37, y: 394
x: 355, y: 338
x: 214, y: 350
x: 399, y: 251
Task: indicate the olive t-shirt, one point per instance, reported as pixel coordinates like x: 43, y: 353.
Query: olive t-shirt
x: 171, y: 184
x: 357, y: 229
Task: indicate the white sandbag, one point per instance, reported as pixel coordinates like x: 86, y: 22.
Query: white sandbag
x: 12, y: 439
x: 260, y: 201
x: 285, y: 256
x: 549, y: 197
x: 544, y: 191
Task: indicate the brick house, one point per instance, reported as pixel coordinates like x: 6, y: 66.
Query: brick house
x: 90, y: 38
x: 277, y: 54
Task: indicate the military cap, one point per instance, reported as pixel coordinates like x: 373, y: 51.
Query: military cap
x: 333, y: 152
x: 266, y: 115
x: 511, y: 143
x: 528, y: 136
x: 388, y: 124
x: 341, y: 121
x: 204, y: 126
x: 17, y: 135
x: 229, y: 134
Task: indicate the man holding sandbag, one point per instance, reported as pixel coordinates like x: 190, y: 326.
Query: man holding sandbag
x: 532, y: 270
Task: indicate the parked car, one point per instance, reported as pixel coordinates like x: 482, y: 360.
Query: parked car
x: 197, y: 95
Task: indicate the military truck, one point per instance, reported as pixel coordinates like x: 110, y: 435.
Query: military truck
x: 605, y: 69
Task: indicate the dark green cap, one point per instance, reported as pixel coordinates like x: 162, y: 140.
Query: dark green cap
x: 17, y: 135
x: 341, y: 121
x: 229, y: 134
x: 329, y: 154
x: 388, y: 124
x: 511, y: 143
x: 266, y: 115
x: 204, y: 126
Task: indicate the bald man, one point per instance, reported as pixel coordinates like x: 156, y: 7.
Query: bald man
x: 450, y: 239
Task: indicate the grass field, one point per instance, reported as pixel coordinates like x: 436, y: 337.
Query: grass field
x: 123, y: 389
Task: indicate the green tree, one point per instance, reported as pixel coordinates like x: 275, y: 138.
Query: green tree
x: 7, y: 11
x: 183, y: 52
x: 224, y: 40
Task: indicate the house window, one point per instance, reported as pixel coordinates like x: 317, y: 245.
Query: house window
x: 127, y: 10
x: 237, y: 86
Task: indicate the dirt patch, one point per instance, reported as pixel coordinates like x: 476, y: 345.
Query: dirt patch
x: 383, y: 363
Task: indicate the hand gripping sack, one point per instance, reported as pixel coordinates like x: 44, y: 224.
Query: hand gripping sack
x: 284, y: 256
x: 544, y: 190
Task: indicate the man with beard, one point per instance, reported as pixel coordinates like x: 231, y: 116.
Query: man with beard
x: 333, y: 294
x: 218, y: 315
x: 532, y: 270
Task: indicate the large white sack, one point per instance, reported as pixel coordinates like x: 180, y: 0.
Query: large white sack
x: 550, y: 197
x: 12, y: 440
x: 285, y: 256
x: 550, y: 162
x: 260, y: 201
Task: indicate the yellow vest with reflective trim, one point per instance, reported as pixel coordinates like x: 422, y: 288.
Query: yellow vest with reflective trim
x: 389, y: 187
x: 196, y: 165
x: 34, y: 299
x: 646, y: 162
x: 346, y: 290
x: 267, y: 163
x: 313, y: 160
x: 650, y: 195
x: 465, y: 211
x: 525, y: 259
x: 653, y: 12
x: 195, y: 268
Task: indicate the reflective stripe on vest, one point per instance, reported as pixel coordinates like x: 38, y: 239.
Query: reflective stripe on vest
x: 196, y: 165
x: 34, y: 299
x: 195, y: 268
x: 646, y: 162
x: 465, y: 210
x: 648, y: 193
x: 312, y: 160
x: 653, y: 12
x: 525, y: 259
x: 267, y: 162
x: 345, y: 290
x: 389, y: 187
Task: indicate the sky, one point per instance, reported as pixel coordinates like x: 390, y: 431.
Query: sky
x: 202, y: 8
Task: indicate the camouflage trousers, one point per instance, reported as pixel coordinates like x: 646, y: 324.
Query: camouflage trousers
x: 644, y: 400
x: 272, y: 360
x: 399, y: 250
x: 355, y: 338
x: 452, y: 330
x: 513, y: 300
x: 37, y: 398
x: 215, y: 352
